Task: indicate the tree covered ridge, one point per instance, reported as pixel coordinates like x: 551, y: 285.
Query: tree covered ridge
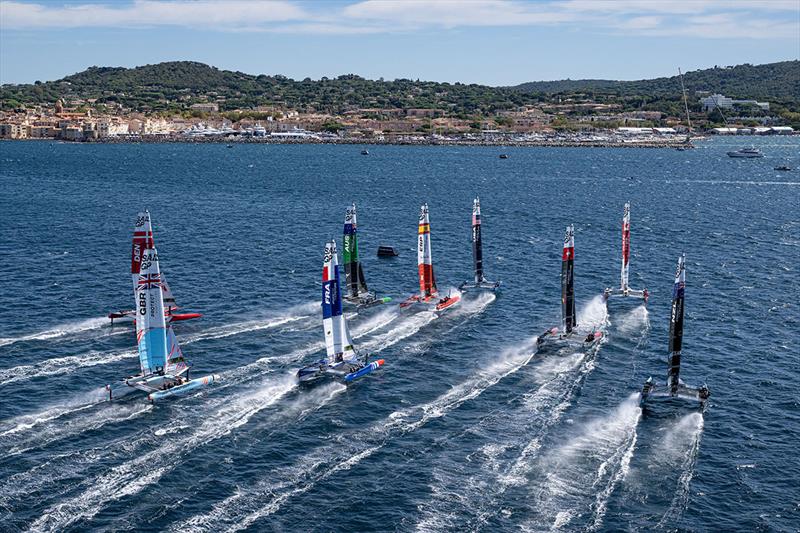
x: 174, y: 86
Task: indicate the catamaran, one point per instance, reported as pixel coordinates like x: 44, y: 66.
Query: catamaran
x: 342, y: 361
x: 480, y: 281
x: 624, y: 289
x: 675, y: 388
x: 428, y: 293
x: 143, y: 240
x: 559, y: 337
x: 357, y: 292
x: 164, y: 369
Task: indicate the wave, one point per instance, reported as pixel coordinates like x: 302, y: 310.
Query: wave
x: 247, y: 505
x: 59, y: 331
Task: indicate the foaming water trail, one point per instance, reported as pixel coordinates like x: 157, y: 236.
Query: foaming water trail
x: 134, y: 475
x: 59, y: 331
x: 70, y: 364
x: 248, y: 505
x: 636, y: 320
x: 578, y: 478
x: 681, y: 445
x: 594, y: 314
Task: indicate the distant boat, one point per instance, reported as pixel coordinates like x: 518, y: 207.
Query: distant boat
x: 687, y: 142
x: 365, y: 152
x: 387, y: 251
x: 503, y: 156
x: 746, y: 153
x: 783, y: 167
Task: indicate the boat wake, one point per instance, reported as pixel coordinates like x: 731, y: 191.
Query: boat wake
x: 577, y: 479
x: 59, y: 331
x: 680, y: 446
x: 248, y: 505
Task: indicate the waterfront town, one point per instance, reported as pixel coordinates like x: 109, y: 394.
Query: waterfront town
x: 566, y: 122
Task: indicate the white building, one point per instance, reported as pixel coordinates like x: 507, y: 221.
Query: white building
x: 723, y: 102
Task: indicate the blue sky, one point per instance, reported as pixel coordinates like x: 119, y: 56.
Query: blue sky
x: 496, y: 42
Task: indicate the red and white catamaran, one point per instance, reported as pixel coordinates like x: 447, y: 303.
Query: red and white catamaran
x: 143, y: 240
x: 428, y: 293
x: 559, y: 337
x: 624, y: 290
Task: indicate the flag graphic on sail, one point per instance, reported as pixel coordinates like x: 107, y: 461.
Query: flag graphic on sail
x: 477, y: 245
x: 337, y: 337
x: 676, y: 325
x: 626, y: 245
x: 567, y: 282
x: 151, y: 330
x: 427, y: 281
x: 353, y: 271
x: 143, y: 240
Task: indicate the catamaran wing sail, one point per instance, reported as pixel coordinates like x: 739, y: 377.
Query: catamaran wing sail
x: 676, y: 326
x: 427, y: 281
x: 480, y: 281
x: 567, y: 281
x: 176, y: 362
x: 626, y: 245
x: 169, y: 298
x: 337, y: 337
x: 142, y: 240
x: 354, y: 274
x: 675, y: 388
x: 151, y: 332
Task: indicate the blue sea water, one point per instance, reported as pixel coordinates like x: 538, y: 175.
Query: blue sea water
x: 466, y: 427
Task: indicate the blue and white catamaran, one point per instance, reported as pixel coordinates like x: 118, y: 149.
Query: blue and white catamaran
x: 624, y: 289
x: 165, y: 371
x: 675, y: 389
x: 342, y: 361
x: 555, y: 337
x: 480, y: 281
x: 143, y: 240
x: 357, y: 293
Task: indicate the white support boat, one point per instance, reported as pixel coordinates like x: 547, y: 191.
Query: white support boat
x: 675, y: 388
x: 746, y: 153
x: 480, y: 281
x: 342, y: 361
x: 164, y: 369
x: 555, y: 337
x: 624, y: 289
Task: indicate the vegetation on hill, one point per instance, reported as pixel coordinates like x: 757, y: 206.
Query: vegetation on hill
x: 174, y: 86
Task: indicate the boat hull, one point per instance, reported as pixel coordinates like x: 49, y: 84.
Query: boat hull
x: 432, y: 301
x: 345, y: 372
x: 483, y: 285
x: 184, y: 388
x: 626, y: 293
x: 129, y: 316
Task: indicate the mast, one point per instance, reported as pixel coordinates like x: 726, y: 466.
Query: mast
x: 337, y: 336
x: 676, y: 326
x: 685, y: 105
x: 151, y: 328
x: 477, y: 245
x: 354, y: 274
x: 567, y: 281
x: 626, y: 245
x: 427, y: 282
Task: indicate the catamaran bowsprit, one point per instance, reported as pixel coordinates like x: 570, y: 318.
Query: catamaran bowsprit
x: 165, y: 371
x: 357, y: 292
x: 624, y: 290
x: 142, y: 241
x: 477, y: 253
x: 428, y: 293
x: 555, y: 337
x: 675, y: 387
x: 342, y: 361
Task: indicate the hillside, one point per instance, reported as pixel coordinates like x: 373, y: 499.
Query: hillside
x: 772, y: 81
x: 174, y: 86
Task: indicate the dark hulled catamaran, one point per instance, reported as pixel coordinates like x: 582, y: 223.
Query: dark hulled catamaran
x: 675, y: 388
x: 355, y: 283
x: 555, y: 336
x: 480, y: 281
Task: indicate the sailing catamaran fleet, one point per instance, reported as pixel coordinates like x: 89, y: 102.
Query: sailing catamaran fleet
x: 164, y: 371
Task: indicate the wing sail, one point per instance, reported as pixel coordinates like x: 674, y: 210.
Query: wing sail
x: 567, y: 281
x: 338, y: 343
x: 477, y: 244
x: 676, y: 326
x: 151, y: 334
x: 427, y: 282
x: 626, y: 245
x: 353, y: 272
x: 142, y: 240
